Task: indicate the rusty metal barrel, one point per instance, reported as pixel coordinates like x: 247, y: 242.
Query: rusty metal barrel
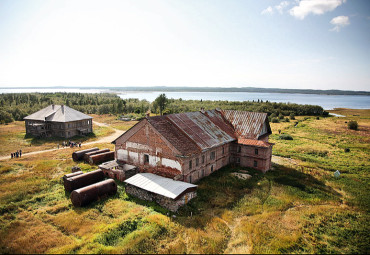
x: 88, y: 194
x: 78, y: 155
x: 71, y: 175
x: 102, y: 157
x: 82, y: 180
x: 87, y: 155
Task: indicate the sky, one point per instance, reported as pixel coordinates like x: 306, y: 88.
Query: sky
x: 302, y: 44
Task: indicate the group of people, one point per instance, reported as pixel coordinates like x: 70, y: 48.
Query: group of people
x: 17, y: 154
x: 71, y: 144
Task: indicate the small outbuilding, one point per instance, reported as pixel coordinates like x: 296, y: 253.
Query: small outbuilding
x: 117, y: 170
x: 166, y: 192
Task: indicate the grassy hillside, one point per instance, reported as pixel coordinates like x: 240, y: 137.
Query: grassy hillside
x: 298, y: 207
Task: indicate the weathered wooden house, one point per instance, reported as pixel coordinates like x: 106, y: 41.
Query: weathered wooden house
x: 58, y: 120
x: 190, y: 146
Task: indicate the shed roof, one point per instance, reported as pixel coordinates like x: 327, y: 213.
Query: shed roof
x: 58, y: 113
x: 252, y: 142
x: 159, y: 185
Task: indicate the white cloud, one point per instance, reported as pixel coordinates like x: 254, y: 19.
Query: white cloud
x: 338, y: 22
x: 318, y: 7
x: 268, y: 10
x: 280, y: 7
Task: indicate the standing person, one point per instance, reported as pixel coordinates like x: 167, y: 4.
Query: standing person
x: 20, y: 153
x: 16, y: 154
x: 11, y: 155
x: 79, y: 144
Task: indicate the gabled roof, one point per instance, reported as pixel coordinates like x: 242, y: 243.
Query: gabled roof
x: 160, y: 185
x: 200, y: 129
x: 246, y: 124
x: 58, y: 113
x: 173, y: 135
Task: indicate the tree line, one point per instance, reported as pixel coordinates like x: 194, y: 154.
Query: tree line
x: 16, y: 106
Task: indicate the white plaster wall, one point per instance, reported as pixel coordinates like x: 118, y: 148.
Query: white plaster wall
x: 153, y: 160
x: 122, y: 155
x: 137, y: 146
x: 171, y: 163
x: 133, y: 156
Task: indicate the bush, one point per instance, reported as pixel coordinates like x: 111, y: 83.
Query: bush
x: 353, y: 125
x: 291, y: 116
x: 286, y: 120
x: 281, y: 116
x: 285, y: 137
x: 275, y: 120
x: 317, y: 117
x: 347, y: 150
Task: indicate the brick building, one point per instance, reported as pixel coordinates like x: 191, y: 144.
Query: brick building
x: 190, y: 146
x: 58, y: 120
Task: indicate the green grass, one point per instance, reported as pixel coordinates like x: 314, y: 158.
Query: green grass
x: 299, y: 207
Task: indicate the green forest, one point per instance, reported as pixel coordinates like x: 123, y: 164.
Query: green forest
x: 16, y: 106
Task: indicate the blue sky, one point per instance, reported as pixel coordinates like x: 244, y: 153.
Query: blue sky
x: 307, y: 44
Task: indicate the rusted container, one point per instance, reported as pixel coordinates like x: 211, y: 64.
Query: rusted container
x: 88, y: 194
x: 102, y: 157
x: 72, y: 175
x: 83, y: 180
x: 78, y: 155
x: 87, y: 155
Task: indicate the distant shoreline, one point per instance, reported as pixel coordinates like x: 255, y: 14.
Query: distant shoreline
x: 201, y: 89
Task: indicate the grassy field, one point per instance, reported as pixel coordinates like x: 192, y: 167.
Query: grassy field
x: 298, y: 207
x: 112, y: 121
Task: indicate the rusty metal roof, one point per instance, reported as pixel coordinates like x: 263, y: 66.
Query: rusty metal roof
x: 159, y: 185
x: 217, y: 118
x: 175, y: 136
x: 252, y: 142
x: 199, y: 128
x: 246, y: 124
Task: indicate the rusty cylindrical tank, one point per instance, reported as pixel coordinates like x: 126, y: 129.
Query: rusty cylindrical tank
x: 78, y: 155
x: 87, y: 155
x: 83, y: 180
x: 86, y: 195
x: 102, y: 157
x: 72, y: 174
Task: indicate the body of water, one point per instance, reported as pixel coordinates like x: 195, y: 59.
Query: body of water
x: 328, y: 102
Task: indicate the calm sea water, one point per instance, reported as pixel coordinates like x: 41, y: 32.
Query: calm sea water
x: 328, y: 102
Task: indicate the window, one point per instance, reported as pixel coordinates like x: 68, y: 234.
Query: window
x: 190, y: 164
x: 211, y: 168
x: 203, y: 159
x: 190, y: 178
x: 197, y: 161
x: 238, y: 160
x: 239, y: 149
x: 223, y: 150
x: 213, y: 155
x: 146, y: 158
x: 69, y: 125
x: 255, y: 163
x: 256, y: 151
x: 202, y: 173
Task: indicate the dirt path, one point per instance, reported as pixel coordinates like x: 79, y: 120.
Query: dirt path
x: 106, y: 139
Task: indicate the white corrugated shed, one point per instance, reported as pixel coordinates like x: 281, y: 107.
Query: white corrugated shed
x: 159, y: 185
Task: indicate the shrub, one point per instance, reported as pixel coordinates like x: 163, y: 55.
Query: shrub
x: 317, y: 117
x: 353, y: 125
x: 291, y: 116
x: 275, y: 120
x: 286, y: 120
x: 285, y: 137
x: 347, y: 150
x: 281, y: 116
